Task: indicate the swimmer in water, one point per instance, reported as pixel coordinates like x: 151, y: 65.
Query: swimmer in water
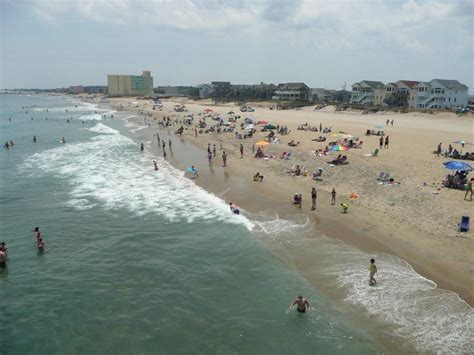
x: 234, y: 208
x: 63, y: 140
x: 302, y: 303
x: 142, y: 147
x: 3, y: 260
x: 41, y: 244
x: 34, y: 139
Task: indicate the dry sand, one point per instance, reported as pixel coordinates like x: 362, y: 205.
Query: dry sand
x: 415, y: 222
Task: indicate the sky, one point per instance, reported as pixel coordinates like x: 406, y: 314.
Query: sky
x: 324, y: 43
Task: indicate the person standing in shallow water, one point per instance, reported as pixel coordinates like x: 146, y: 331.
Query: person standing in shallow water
x: 241, y: 151
x: 142, y: 147
x: 372, y: 272
x: 302, y: 304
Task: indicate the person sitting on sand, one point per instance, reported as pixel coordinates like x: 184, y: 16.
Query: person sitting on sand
x: 302, y: 303
x: 317, y: 174
x: 259, y: 153
x: 258, y: 177
x: 297, y: 199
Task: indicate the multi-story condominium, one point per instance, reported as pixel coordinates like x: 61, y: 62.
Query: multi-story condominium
x: 439, y: 93
x: 220, y: 89
x: 130, y: 85
x: 367, y: 93
x: 291, y: 92
x: 397, y: 94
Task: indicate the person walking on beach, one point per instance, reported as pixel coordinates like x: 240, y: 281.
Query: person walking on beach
x: 392, y: 122
x: 214, y: 150
x: 388, y: 121
x: 469, y: 189
x: 333, y: 197
x: 195, y: 132
x: 164, y: 154
x: 241, y: 151
x: 438, y: 151
x: 163, y: 145
x: 302, y: 304
x: 372, y: 272
x: 320, y: 126
x: 142, y: 147
x: 169, y: 144
x: 381, y: 142
x: 158, y: 138
x: 314, y: 196
x: 253, y: 149
x: 209, y: 158
x: 155, y: 165
x: 386, y: 142
x: 224, y: 158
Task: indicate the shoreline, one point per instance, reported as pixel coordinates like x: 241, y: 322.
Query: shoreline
x: 357, y: 228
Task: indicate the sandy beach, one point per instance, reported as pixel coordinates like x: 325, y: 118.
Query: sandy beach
x: 415, y: 220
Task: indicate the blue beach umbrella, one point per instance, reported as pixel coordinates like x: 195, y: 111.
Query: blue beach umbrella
x: 457, y: 165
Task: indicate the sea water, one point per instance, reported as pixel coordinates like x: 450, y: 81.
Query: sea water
x: 139, y: 261
x: 136, y: 261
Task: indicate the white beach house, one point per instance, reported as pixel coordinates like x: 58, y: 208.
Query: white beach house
x: 367, y: 93
x: 439, y: 93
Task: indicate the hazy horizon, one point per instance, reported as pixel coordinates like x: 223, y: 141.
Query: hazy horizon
x: 324, y: 44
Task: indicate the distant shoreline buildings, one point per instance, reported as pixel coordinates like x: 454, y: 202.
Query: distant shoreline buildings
x: 403, y: 94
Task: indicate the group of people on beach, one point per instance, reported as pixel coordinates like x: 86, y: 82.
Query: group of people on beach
x: 40, y: 244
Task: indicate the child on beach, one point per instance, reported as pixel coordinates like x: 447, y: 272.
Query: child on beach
x: 372, y: 272
x: 345, y: 207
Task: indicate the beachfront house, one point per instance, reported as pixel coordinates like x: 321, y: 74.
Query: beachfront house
x: 322, y: 95
x: 439, y: 93
x: 205, y: 90
x: 367, y: 93
x: 130, y: 85
x: 291, y: 92
x: 398, y: 94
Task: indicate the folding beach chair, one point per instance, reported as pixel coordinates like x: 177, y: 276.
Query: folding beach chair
x: 386, y: 177
x: 381, y: 176
x: 464, y: 225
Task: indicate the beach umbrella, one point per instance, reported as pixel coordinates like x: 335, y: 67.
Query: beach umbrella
x: 338, y: 148
x: 230, y: 112
x: 269, y: 126
x: 207, y: 110
x: 262, y: 122
x: 262, y: 144
x: 462, y: 142
x: 457, y: 165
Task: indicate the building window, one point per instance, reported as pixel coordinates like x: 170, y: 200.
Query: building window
x: 454, y: 99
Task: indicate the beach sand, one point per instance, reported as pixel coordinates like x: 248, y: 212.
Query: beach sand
x: 413, y: 220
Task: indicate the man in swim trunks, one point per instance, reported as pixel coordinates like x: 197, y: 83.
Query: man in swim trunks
x: 303, y: 304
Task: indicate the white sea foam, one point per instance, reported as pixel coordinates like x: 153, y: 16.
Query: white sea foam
x: 434, y: 320
x: 101, y: 128
x: 109, y: 170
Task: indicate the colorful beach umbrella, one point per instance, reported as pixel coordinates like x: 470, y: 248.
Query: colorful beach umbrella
x: 457, y: 165
x: 269, y: 126
x: 207, y: 110
x: 262, y: 122
x: 338, y: 148
x: 262, y: 144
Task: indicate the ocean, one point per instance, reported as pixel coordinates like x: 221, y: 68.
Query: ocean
x: 139, y: 261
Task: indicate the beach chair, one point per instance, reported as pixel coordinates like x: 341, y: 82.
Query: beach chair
x: 381, y: 176
x: 386, y: 177
x: 464, y: 225
x: 288, y: 156
x: 375, y: 153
